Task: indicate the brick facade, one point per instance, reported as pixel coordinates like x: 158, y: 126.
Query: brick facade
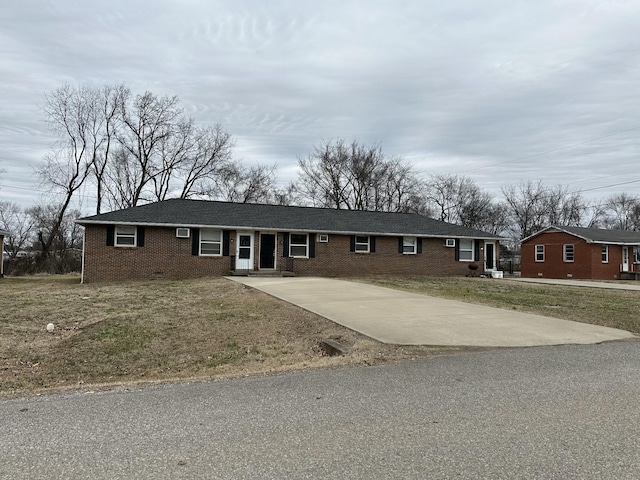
x: 587, y: 263
x: 165, y: 256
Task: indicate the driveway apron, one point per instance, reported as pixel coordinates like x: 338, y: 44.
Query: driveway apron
x: 397, y: 317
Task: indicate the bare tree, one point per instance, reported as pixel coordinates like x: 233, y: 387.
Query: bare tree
x: 565, y: 207
x: 19, y: 224
x: 211, y: 158
x: 60, y: 255
x: 356, y: 177
x: 527, y: 207
x: 148, y: 126
x: 287, y: 195
x: 444, y: 193
x: 132, y: 149
x: 621, y: 212
x: 255, y: 184
x: 533, y: 206
x: 461, y: 201
x: 111, y: 100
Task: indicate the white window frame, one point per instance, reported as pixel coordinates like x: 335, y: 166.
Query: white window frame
x: 362, y: 246
x: 409, y: 245
x: 568, y: 250
x: 299, y: 245
x: 122, y: 232
x: 210, y: 242
x: 466, y: 251
x: 605, y: 253
x: 539, y: 253
x: 636, y: 254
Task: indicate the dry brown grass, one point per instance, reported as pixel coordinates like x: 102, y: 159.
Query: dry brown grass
x: 160, y: 330
x: 609, y: 308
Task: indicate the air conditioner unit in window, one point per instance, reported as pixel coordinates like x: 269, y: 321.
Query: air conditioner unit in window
x: 450, y: 242
x: 323, y: 238
x: 183, y: 232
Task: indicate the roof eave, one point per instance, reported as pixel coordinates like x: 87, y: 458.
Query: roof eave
x: 280, y: 229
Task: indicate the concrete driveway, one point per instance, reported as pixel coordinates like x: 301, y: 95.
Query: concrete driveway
x: 393, y: 316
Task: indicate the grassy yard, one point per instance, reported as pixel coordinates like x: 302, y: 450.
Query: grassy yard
x: 610, y: 308
x: 109, y: 334
x: 161, y: 330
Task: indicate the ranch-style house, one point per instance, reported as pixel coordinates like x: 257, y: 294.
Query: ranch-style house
x: 181, y: 238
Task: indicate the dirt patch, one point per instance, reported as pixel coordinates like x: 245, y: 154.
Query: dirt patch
x: 111, y: 334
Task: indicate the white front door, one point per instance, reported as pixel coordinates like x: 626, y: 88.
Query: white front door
x: 625, y: 259
x: 244, y: 251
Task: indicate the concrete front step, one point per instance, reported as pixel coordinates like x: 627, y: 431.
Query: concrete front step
x: 260, y: 273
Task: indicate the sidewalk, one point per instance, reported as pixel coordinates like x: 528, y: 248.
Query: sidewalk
x: 396, y: 317
x: 579, y: 283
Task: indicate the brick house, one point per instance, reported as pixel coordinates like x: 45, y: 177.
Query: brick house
x: 3, y: 233
x: 582, y: 253
x: 193, y: 238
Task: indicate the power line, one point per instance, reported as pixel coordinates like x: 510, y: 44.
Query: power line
x: 608, y: 186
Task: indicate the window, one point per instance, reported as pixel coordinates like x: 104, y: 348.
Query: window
x: 125, y: 236
x: 362, y: 244
x: 299, y: 245
x: 636, y: 254
x: 539, y: 253
x: 210, y: 242
x: 605, y: 253
x: 567, y: 250
x: 409, y: 245
x: 466, y: 250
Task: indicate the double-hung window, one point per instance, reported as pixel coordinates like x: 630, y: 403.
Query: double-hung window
x: 539, y: 253
x: 125, y: 236
x: 567, y: 252
x: 210, y: 242
x: 465, y: 250
x: 299, y: 245
x: 605, y: 253
x: 409, y: 245
x: 362, y: 244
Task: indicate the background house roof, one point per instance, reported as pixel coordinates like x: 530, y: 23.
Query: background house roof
x: 595, y: 235
x: 201, y: 213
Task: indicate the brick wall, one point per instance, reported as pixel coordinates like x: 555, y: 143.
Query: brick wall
x: 587, y: 262
x: 334, y: 259
x: 165, y: 256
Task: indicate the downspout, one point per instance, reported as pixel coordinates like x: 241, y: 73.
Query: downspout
x: 84, y: 242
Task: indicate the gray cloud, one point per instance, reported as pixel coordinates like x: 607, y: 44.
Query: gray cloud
x: 500, y: 91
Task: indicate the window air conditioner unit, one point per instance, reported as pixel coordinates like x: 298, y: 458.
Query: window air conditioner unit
x: 183, y: 232
x: 450, y: 242
x: 323, y: 238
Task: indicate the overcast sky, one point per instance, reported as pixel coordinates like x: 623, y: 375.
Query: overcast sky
x: 500, y: 90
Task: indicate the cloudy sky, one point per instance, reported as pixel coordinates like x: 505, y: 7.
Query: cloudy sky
x: 500, y: 90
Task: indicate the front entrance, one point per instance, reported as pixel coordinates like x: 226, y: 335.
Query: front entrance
x: 625, y: 259
x: 267, y: 251
x: 489, y: 256
x: 244, y: 251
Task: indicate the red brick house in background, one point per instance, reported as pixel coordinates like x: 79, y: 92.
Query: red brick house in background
x: 193, y: 238
x: 582, y: 253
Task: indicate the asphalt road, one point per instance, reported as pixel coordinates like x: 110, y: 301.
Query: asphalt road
x: 560, y: 412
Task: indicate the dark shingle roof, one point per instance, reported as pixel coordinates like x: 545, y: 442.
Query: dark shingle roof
x: 596, y: 235
x: 200, y: 213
